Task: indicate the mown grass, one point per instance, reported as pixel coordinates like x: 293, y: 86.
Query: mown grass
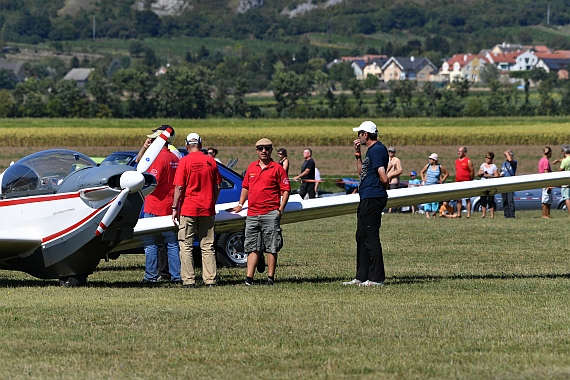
x: 287, y: 132
x: 469, y: 298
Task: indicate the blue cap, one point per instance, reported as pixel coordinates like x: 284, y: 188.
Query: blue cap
x: 413, y: 173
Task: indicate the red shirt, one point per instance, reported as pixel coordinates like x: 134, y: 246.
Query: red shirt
x: 462, y: 172
x: 265, y: 187
x: 198, y: 174
x: 159, y: 202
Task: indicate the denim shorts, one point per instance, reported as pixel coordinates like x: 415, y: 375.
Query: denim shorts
x: 263, y: 233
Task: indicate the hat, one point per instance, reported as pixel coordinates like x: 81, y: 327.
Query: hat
x: 413, y: 173
x: 264, y: 141
x: 566, y: 148
x: 367, y: 126
x: 434, y: 156
x: 158, y: 131
x: 392, y: 149
x: 193, y: 139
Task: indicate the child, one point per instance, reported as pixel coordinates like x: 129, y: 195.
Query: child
x: 446, y: 210
x: 414, y: 182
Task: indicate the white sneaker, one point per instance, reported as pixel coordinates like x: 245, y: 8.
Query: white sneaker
x: 371, y: 283
x: 353, y: 282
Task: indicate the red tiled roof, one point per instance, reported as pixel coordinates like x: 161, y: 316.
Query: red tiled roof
x: 462, y: 59
x: 506, y: 57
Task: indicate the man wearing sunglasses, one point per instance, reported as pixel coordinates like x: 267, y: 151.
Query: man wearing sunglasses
x: 373, y: 199
x: 266, y: 188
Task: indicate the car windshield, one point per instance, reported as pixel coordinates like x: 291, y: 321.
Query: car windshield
x: 44, y: 170
x: 120, y: 158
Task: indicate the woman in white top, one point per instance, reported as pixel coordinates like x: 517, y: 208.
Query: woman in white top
x: 488, y: 170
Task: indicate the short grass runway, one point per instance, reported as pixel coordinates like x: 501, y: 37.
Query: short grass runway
x: 465, y: 299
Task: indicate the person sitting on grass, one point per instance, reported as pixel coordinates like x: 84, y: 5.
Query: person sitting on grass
x: 446, y: 210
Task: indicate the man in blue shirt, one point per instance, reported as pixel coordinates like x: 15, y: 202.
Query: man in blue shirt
x: 509, y: 169
x: 373, y: 198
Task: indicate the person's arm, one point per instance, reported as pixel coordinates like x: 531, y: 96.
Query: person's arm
x: 383, y: 177
x: 284, y: 200
x: 397, y: 168
x: 143, y: 149
x: 242, y: 199
x: 471, y: 169
x: 286, y: 164
x: 304, y: 173
x: 423, y: 173
x: 358, y: 155
x: 175, y: 206
x: 495, y: 173
x: 445, y: 174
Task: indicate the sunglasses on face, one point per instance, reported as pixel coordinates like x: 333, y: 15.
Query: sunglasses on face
x: 361, y: 133
x: 261, y: 148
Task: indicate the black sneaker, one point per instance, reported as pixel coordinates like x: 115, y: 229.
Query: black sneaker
x: 176, y: 282
x: 260, y: 263
x: 189, y: 286
x: 269, y: 282
x: 211, y: 286
x: 247, y: 283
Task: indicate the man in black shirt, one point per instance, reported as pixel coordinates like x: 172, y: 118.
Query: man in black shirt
x: 307, y: 175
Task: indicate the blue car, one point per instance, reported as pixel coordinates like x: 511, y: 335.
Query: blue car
x: 229, y: 246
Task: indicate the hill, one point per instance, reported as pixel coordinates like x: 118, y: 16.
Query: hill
x: 459, y: 25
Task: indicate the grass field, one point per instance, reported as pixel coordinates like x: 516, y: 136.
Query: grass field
x: 465, y: 299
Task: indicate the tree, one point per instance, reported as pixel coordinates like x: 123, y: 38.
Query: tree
x: 490, y: 73
x: 136, y: 86
x: 6, y: 104
x: 8, y: 79
x: 185, y: 93
x: 461, y: 87
x: 288, y: 87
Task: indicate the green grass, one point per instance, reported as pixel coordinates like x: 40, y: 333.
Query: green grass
x: 468, y: 299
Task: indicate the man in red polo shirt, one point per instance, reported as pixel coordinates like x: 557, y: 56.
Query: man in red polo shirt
x: 464, y: 171
x: 158, y: 203
x: 266, y: 188
x: 197, y: 188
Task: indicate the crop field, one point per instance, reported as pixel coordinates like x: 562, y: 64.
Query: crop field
x: 465, y: 299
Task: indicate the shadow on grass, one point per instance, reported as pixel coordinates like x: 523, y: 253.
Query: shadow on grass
x: 260, y: 279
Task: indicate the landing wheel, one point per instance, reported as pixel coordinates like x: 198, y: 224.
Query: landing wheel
x: 73, y: 281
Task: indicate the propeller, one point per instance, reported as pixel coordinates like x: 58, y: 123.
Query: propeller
x: 133, y: 181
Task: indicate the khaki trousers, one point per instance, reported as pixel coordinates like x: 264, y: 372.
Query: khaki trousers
x: 201, y: 228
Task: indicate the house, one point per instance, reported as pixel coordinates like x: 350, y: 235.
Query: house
x: 10, y: 66
x: 503, y: 61
x: 546, y: 60
x: 80, y: 76
x: 466, y: 66
x: 403, y: 68
x: 525, y: 61
x: 374, y: 67
x: 358, y: 67
x: 506, y: 47
x: 552, y: 62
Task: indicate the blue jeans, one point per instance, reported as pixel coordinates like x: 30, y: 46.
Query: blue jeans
x: 151, y: 255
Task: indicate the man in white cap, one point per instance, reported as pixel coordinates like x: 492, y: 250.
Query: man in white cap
x: 373, y: 199
x: 266, y: 188
x: 197, y: 184
x: 158, y: 203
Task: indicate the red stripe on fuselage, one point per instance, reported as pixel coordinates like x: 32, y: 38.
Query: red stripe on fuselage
x: 42, y: 198
x: 72, y: 227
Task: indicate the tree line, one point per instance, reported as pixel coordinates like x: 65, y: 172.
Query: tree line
x: 194, y: 91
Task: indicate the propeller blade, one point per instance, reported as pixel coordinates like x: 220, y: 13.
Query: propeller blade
x: 112, y: 212
x: 153, y: 150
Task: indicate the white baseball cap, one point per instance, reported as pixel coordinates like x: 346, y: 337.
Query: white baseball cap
x: 193, y: 138
x: 367, y: 126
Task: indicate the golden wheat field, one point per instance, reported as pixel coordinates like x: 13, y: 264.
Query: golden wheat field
x: 330, y: 139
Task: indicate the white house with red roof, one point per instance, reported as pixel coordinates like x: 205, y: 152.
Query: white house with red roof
x: 465, y: 66
x: 504, y: 61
